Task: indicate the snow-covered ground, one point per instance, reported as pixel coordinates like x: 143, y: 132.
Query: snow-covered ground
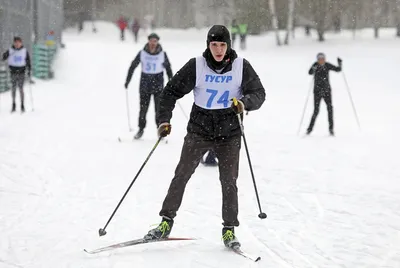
x: 331, y: 202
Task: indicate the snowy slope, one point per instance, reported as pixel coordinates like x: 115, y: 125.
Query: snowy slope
x: 331, y: 202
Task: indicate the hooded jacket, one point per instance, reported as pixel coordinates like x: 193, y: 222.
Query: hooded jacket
x: 211, y: 124
x: 150, y: 82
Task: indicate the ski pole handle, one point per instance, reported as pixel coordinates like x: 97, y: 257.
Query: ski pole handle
x: 235, y: 102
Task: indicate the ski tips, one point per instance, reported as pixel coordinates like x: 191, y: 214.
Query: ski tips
x: 258, y: 259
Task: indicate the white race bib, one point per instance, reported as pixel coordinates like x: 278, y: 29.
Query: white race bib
x: 152, y: 64
x: 17, y: 58
x: 215, y: 91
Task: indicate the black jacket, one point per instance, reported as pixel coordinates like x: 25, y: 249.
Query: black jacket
x: 150, y: 82
x: 211, y: 124
x: 321, y: 76
x: 15, y: 70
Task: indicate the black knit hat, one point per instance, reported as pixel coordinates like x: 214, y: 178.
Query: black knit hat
x: 219, y: 33
x: 17, y: 38
x: 153, y: 35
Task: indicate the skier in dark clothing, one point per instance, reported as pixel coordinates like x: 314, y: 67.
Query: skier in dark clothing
x: 210, y: 159
x: 135, y: 29
x: 215, y: 78
x: 322, y: 88
x: 154, y: 60
x: 19, y: 62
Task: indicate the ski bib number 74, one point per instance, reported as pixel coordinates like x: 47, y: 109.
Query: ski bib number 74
x: 221, y: 98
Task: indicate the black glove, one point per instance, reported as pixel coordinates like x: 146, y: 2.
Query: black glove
x: 126, y: 85
x: 164, y: 129
x: 238, y: 108
x: 339, y: 60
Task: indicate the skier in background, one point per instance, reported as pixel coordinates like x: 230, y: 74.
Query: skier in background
x: 154, y: 60
x: 234, y: 31
x: 19, y: 62
x: 122, y: 24
x: 322, y: 88
x: 135, y: 29
x: 210, y: 160
x: 243, y: 35
x: 216, y: 77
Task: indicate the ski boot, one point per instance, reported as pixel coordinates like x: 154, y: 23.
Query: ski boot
x: 162, y: 231
x: 13, y: 107
x: 139, y: 134
x: 229, y: 238
x: 22, y: 108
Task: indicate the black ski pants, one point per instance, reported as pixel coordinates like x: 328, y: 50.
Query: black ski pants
x: 145, y: 98
x: 317, y: 101
x: 17, y: 81
x: 194, y: 147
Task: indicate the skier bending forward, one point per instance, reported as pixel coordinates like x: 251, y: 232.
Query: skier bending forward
x: 216, y: 77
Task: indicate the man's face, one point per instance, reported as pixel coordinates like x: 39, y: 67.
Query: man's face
x: 321, y: 60
x: 218, y: 50
x: 153, y: 42
x: 17, y: 44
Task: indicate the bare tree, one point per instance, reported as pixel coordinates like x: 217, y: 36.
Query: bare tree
x: 290, y: 19
x: 337, y: 9
x: 320, y: 11
x: 377, y: 10
x: 274, y: 21
x: 396, y: 10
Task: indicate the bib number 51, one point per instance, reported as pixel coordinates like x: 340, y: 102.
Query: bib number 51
x: 223, y: 99
x: 150, y: 66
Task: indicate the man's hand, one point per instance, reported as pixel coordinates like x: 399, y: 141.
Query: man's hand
x: 237, y: 106
x: 164, y: 129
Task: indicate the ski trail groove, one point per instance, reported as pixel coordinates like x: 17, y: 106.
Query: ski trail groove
x: 10, y: 264
x: 276, y: 256
x: 290, y: 248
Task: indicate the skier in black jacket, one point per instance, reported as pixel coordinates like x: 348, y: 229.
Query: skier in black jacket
x: 19, y: 62
x: 154, y: 60
x: 322, y: 88
x: 215, y: 78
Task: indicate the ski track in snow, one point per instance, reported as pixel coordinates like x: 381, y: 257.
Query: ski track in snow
x: 331, y: 202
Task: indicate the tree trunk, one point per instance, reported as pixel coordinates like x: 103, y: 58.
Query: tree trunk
x: 321, y: 37
x: 376, y: 32
x: 289, y: 26
x: 337, y: 23
x: 354, y: 20
x: 274, y: 19
x: 397, y: 15
x: 320, y: 10
x: 377, y: 6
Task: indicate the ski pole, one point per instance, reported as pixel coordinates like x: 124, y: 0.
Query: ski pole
x: 127, y: 110
x: 30, y: 93
x: 351, y: 100
x: 262, y: 215
x: 102, y: 231
x: 183, y: 110
x: 305, y: 105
